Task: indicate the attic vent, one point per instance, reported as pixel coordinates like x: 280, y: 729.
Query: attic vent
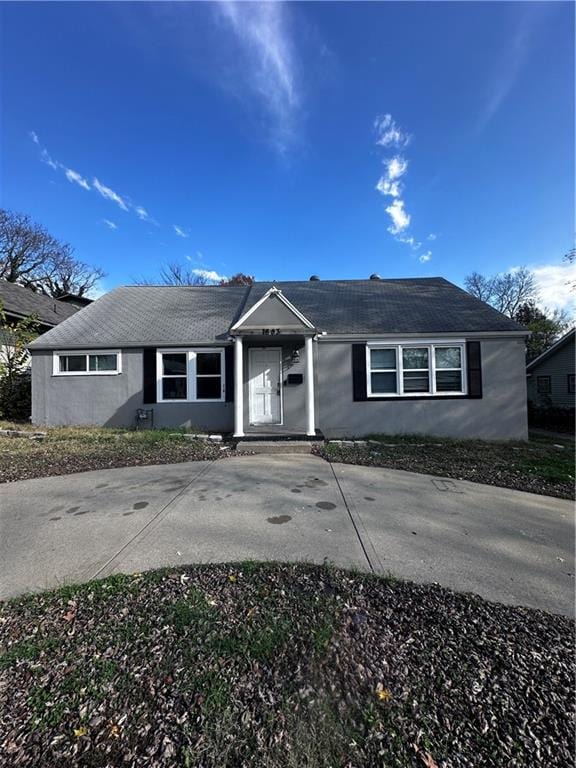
x: 314, y: 277
x: 375, y: 276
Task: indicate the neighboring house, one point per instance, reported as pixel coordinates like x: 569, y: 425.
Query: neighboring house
x: 339, y: 357
x: 19, y: 302
x: 551, y: 375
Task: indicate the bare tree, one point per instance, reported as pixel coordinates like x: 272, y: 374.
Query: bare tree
x: 174, y: 273
x: 506, y: 292
x: 570, y: 258
x: 31, y: 256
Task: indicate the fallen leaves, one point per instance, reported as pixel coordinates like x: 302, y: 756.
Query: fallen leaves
x: 182, y: 667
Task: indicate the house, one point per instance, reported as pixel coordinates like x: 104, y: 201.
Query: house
x: 18, y: 303
x: 337, y: 357
x: 551, y: 375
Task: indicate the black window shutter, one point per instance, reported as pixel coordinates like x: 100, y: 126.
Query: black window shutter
x: 474, y: 358
x: 359, y: 372
x: 229, y: 373
x: 149, y: 366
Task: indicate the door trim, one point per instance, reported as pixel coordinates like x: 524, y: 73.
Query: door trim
x: 281, y: 374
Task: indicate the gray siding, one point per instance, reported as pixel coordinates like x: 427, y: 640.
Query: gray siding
x: 499, y: 414
x: 557, y: 366
x: 113, y: 400
x: 273, y: 313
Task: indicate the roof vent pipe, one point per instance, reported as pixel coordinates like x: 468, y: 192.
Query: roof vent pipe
x: 375, y: 276
x: 314, y: 277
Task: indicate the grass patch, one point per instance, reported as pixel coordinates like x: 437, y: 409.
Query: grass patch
x: 542, y: 465
x: 77, y: 449
x: 280, y: 666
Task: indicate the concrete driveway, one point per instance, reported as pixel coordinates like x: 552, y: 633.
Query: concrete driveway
x: 504, y: 545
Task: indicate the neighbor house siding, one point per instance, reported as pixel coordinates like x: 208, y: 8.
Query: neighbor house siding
x: 113, y: 400
x: 499, y: 414
x: 558, y: 366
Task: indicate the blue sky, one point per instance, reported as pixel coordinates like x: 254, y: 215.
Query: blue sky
x: 282, y: 140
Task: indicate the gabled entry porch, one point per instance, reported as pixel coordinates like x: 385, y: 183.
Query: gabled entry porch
x: 274, y: 371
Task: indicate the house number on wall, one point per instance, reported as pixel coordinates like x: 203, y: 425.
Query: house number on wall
x: 270, y: 331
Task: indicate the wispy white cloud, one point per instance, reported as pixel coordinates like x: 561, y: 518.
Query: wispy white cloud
x: 209, y: 274
x: 110, y: 224
x: 262, y: 29
x: 396, y: 167
x: 389, y: 188
x: 141, y: 212
x: 75, y: 178
x: 198, y: 258
x: 45, y: 157
x: 409, y: 240
x: 179, y: 231
x: 553, y: 282
x: 389, y: 134
x: 109, y: 194
x: 400, y: 217
x: 432, y: 236
x: 509, y: 63
x: 389, y: 183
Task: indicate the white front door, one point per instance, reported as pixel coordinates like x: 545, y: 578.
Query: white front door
x: 265, y: 386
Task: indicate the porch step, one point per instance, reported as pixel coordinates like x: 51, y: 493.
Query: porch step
x: 274, y: 446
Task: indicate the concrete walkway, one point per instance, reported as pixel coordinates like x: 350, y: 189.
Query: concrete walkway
x: 504, y: 545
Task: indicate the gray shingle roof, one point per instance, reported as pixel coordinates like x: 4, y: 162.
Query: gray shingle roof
x: 22, y: 302
x: 172, y: 315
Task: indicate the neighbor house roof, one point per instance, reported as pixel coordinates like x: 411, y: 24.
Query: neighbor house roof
x: 23, y: 302
x: 562, y: 341
x: 181, y: 315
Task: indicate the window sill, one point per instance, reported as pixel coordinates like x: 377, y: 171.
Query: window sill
x: 195, y: 402
x: 396, y: 398
x: 86, y: 373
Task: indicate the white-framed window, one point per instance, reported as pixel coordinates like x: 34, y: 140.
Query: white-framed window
x: 97, y: 362
x: 416, y: 368
x: 190, y: 375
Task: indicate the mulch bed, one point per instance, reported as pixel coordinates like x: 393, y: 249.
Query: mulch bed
x: 61, y: 458
x: 497, y: 464
x: 278, y: 666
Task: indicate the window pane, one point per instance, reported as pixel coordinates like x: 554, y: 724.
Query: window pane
x: 415, y: 357
x: 102, y: 362
x: 72, y: 363
x: 544, y: 385
x: 174, y: 364
x: 209, y: 388
x: 416, y: 381
x: 383, y: 383
x: 174, y: 389
x: 382, y: 358
x: 208, y: 363
x: 448, y: 357
x: 448, y: 381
